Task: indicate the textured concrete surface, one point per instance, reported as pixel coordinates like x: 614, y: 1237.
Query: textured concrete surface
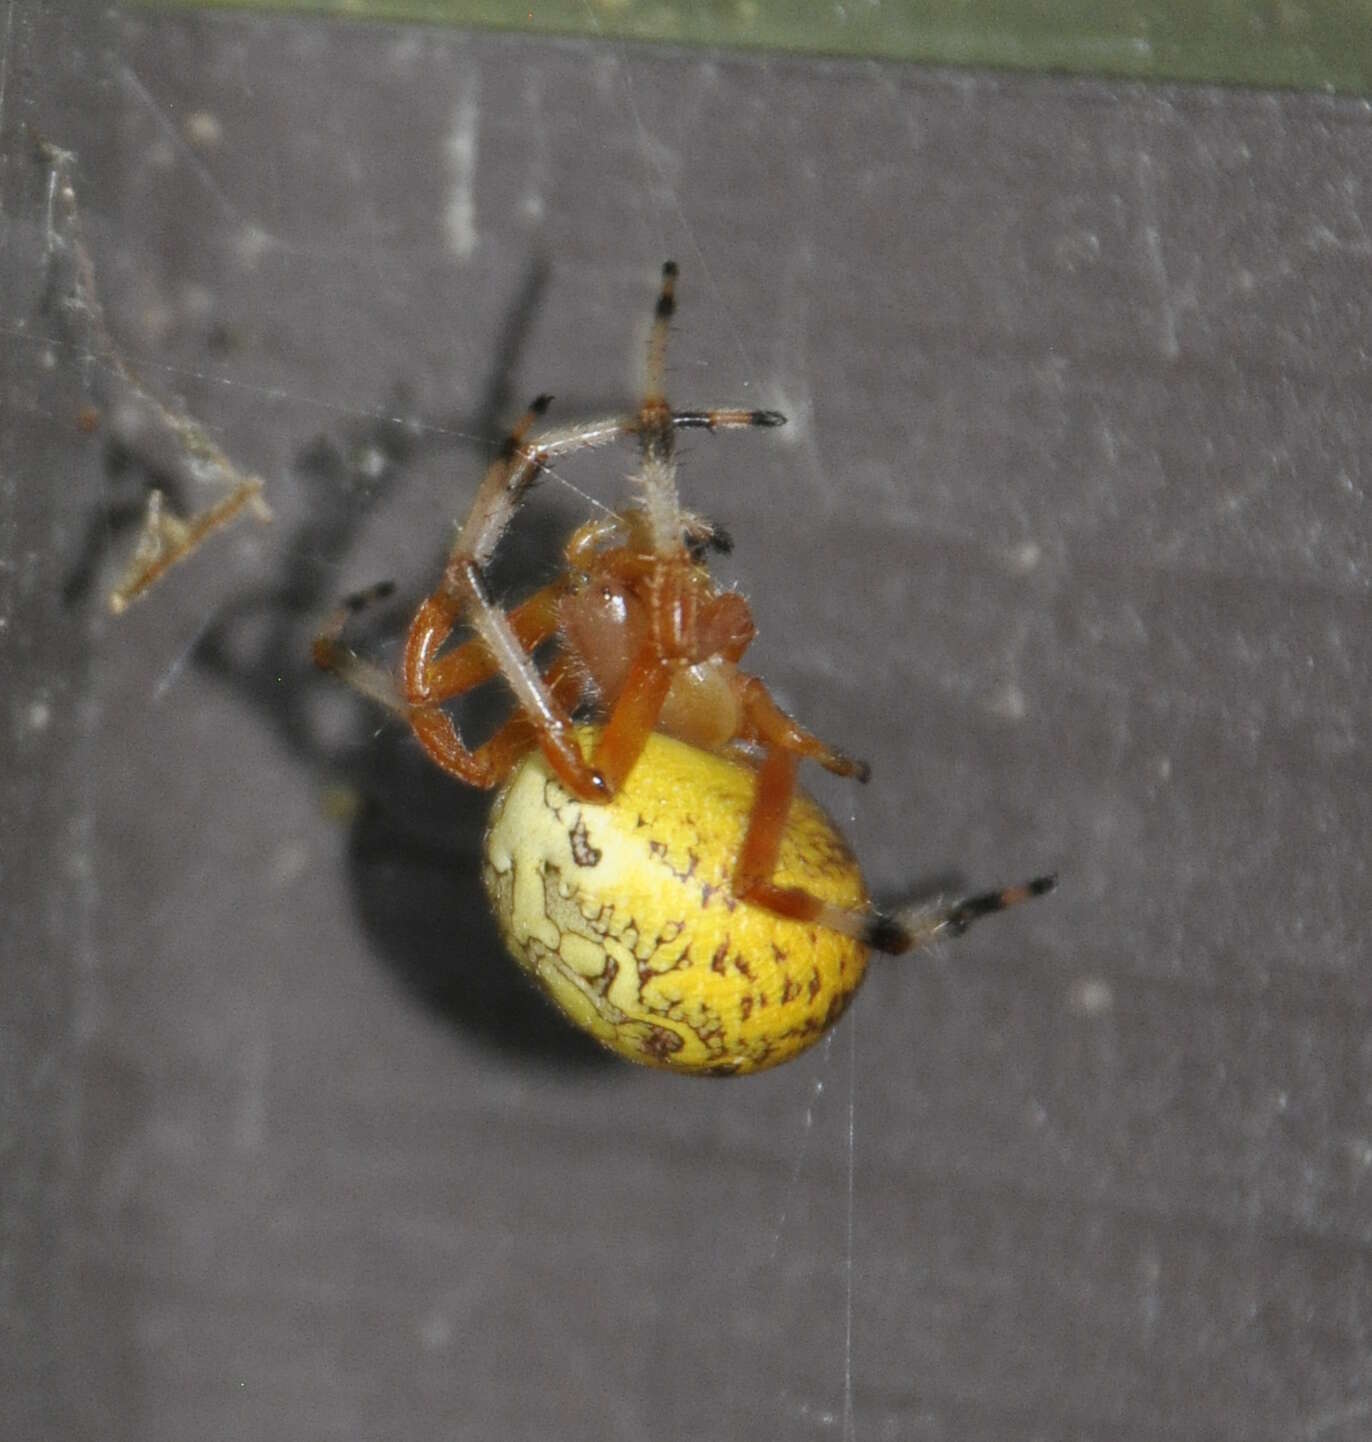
x: 1068, y: 535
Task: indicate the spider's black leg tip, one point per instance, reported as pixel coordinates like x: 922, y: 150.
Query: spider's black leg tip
x: 990, y: 902
x: 666, y: 301
x: 885, y: 933
x: 718, y: 539
x: 540, y: 404
x: 768, y: 418
x: 360, y: 600
x: 862, y: 772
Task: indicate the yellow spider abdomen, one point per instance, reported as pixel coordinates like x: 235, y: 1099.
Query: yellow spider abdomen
x: 624, y: 915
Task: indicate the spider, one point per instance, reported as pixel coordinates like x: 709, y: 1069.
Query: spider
x: 658, y: 873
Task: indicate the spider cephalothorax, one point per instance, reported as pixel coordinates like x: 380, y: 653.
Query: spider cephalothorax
x: 644, y: 634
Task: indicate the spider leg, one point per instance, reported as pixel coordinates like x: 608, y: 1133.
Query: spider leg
x: 463, y: 594
x: 490, y: 763
x: 657, y: 425
x: 910, y: 929
x: 521, y: 461
x: 465, y: 590
x: 728, y: 419
x: 462, y: 669
x: 767, y: 723
x: 654, y: 404
x: 331, y: 654
x: 757, y: 860
x: 633, y: 715
x: 466, y: 666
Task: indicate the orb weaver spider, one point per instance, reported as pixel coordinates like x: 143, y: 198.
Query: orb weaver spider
x: 658, y: 873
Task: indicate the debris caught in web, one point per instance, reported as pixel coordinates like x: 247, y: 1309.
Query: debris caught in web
x: 165, y: 538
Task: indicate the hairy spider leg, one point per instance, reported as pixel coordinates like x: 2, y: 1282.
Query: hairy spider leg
x: 657, y: 425
x: 656, y: 433
x: 467, y: 666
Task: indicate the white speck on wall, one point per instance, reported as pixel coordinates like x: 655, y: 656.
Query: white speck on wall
x: 289, y: 862
x: 202, y: 129
x: 1091, y: 996
x: 1008, y: 702
x: 196, y: 302
x: 459, y: 215
x: 405, y: 52
x: 250, y: 244
x: 798, y: 410
x: 436, y: 1332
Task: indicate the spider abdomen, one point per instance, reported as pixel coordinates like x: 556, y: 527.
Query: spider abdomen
x: 623, y: 913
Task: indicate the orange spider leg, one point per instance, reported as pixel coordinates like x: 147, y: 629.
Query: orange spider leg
x: 490, y: 763
x: 757, y: 860
x: 633, y: 716
x: 767, y: 723
x: 465, y: 667
x: 499, y: 646
x: 683, y: 622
